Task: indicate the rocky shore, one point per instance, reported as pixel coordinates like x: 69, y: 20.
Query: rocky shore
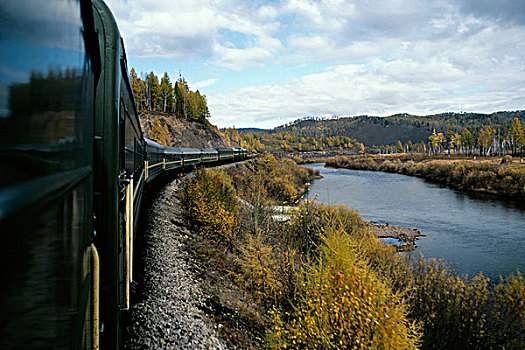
x: 406, y: 237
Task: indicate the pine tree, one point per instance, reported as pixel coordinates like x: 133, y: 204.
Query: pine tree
x: 166, y: 93
x: 202, y: 106
x: 181, y: 91
x: 155, y: 94
x: 409, y: 146
x: 137, y: 86
x: 192, y: 105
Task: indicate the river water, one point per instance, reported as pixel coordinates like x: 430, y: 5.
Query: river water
x: 473, y: 232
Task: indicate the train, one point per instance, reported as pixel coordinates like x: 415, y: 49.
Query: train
x: 74, y: 165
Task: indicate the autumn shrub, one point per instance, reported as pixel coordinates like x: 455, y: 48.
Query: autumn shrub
x: 304, y: 228
x: 282, y: 181
x: 258, y: 268
x: 458, y: 173
x: 282, y: 188
x: 310, y: 219
x: 451, y: 309
x: 408, y: 167
x: 265, y: 263
x: 209, y: 199
x: 393, y: 268
x: 342, y: 304
x: 456, y: 312
x: 285, y: 180
x: 509, y: 329
x: 387, y: 166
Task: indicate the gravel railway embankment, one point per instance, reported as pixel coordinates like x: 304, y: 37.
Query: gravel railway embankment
x: 168, y: 312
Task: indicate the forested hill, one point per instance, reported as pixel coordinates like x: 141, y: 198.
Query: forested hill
x: 172, y: 114
x: 402, y: 127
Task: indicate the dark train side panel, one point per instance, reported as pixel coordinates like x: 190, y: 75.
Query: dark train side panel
x: 46, y: 174
x: 118, y: 159
x: 73, y: 171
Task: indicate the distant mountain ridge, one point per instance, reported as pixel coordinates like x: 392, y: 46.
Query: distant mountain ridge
x: 253, y: 130
x: 403, y: 127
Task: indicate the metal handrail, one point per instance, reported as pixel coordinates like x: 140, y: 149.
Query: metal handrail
x: 139, y: 182
x: 95, y: 285
x: 155, y: 165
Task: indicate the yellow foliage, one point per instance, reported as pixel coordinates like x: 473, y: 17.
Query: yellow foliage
x: 258, y: 269
x: 210, y: 203
x: 511, y: 292
x: 343, y: 305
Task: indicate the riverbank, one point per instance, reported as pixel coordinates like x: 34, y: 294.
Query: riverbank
x: 497, y: 176
x: 294, y: 268
x: 402, y: 238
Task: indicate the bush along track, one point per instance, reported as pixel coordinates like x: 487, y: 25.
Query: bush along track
x: 321, y: 280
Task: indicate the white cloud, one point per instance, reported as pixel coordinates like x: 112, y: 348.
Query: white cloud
x: 204, y: 83
x: 267, y: 12
x: 428, y: 77
x: 310, y: 10
x: 238, y: 59
x: 186, y: 30
x: 386, y: 56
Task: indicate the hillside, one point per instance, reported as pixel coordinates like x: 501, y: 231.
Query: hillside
x: 183, y: 132
x: 402, y: 127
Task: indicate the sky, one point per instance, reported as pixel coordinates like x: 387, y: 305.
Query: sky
x: 265, y: 63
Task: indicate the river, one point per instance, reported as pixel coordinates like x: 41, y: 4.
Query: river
x: 475, y: 233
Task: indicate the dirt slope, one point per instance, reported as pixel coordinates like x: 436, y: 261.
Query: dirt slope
x: 185, y: 133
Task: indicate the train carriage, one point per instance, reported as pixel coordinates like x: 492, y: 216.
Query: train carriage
x: 225, y: 153
x: 48, y: 294
x: 191, y: 156
x: 209, y: 155
x: 74, y: 166
x: 155, y: 157
x: 119, y: 166
x: 173, y: 158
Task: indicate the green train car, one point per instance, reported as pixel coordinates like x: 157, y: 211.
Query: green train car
x: 74, y: 165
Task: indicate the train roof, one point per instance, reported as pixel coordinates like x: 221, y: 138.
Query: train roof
x: 209, y: 150
x: 153, y: 143
x: 191, y: 151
